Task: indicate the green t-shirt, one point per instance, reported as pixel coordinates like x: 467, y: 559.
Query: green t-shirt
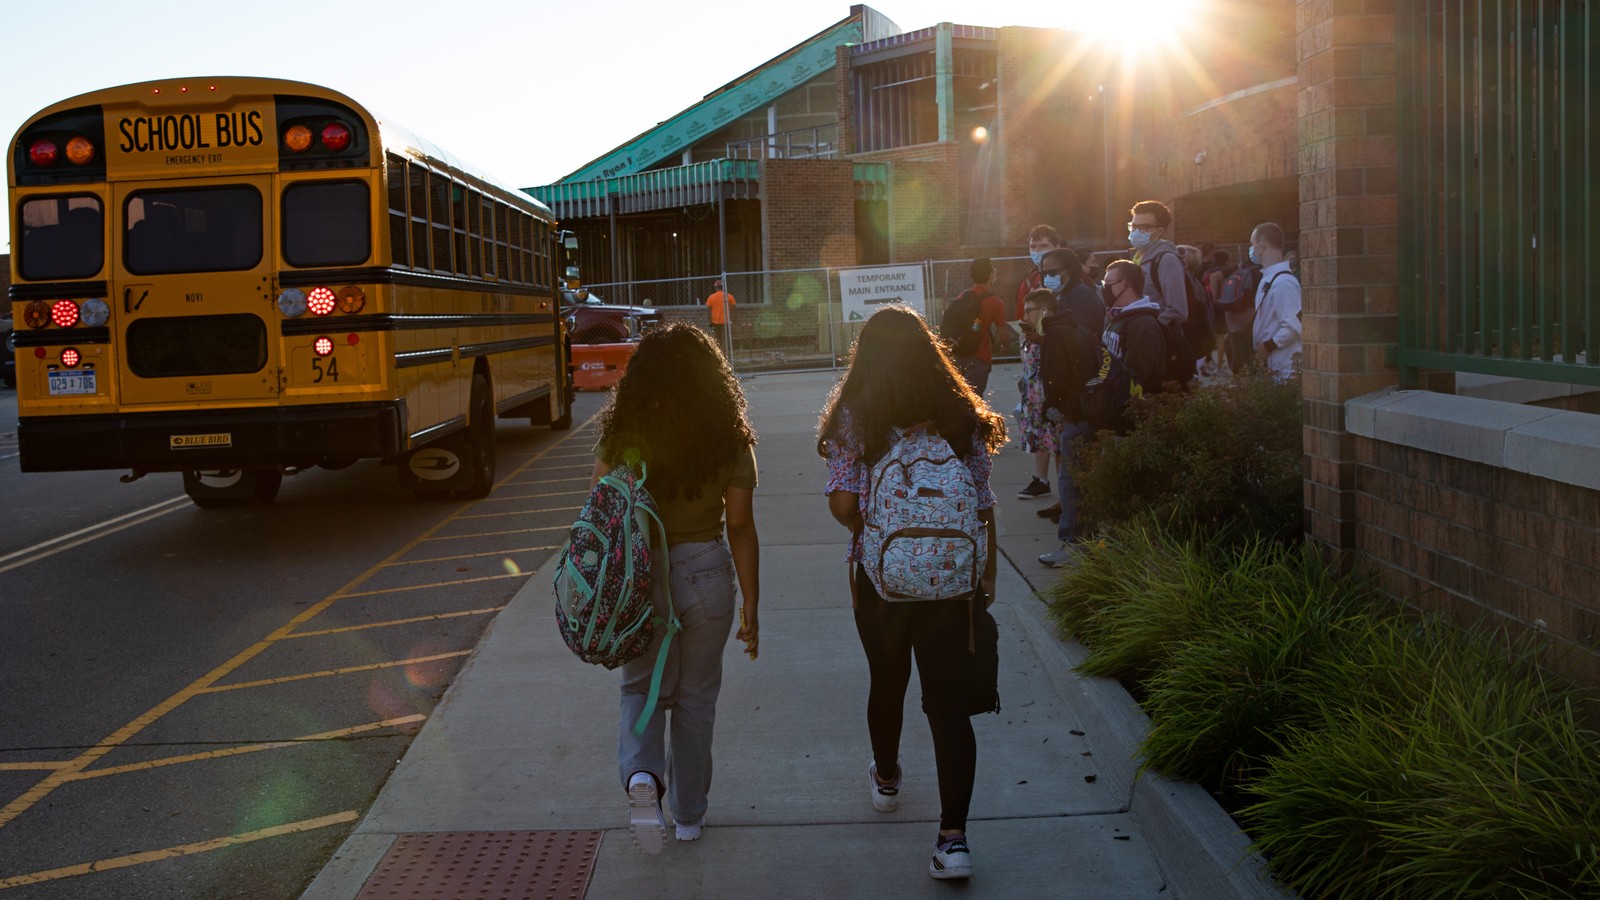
x: 700, y: 519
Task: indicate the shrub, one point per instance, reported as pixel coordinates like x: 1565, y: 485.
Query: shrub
x: 1228, y: 695
x: 1222, y: 461
x: 1477, y: 781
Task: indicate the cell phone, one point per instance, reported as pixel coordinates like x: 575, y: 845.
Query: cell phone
x: 1025, y: 325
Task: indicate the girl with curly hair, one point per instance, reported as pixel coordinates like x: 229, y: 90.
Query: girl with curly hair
x: 901, y: 376
x: 679, y: 407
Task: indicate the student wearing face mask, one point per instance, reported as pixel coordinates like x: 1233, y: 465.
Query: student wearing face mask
x: 1149, y: 226
x: 1275, y: 332
x: 1132, y: 331
x: 1041, y: 240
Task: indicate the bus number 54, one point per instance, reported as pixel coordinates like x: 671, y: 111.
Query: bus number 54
x: 331, y: 371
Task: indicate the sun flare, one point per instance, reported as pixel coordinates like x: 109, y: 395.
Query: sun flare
x: 1104, y: 19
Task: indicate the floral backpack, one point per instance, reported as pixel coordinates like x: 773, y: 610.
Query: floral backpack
x: 604, y: 578
x: 922, y: 539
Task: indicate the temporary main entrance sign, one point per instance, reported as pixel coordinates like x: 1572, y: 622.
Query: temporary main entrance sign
x: 864, y: 290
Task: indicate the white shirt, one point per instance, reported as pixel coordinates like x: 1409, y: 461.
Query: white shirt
x: 1278, y: 318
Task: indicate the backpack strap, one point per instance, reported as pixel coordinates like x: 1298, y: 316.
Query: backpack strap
x: 671, y: 623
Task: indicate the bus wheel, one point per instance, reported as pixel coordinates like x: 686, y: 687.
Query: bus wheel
x: 565, y: 421
x: 480, y: 441
x: 222, y: 488
x: 266, y: 487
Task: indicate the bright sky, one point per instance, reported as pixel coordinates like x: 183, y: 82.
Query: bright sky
x: 528, y: 90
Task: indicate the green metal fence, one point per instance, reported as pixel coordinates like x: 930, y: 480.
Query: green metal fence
x: 1499, y: 219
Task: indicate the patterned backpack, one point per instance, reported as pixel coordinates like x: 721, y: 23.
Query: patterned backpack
x: 604, y: 578
x: 922, y: 538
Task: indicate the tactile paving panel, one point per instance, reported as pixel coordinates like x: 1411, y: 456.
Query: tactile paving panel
x: 499, y: 864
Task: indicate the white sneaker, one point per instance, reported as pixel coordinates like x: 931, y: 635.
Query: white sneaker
x: 951, y: 858
x: 1064, y: 555
x: 646, y: 825
x: 885, y: 797
x: 690, y: 832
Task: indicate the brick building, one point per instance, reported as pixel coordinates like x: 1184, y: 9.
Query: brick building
x: 1441, y: 198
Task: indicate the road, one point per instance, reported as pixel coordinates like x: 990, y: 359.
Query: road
x: 202, y: 703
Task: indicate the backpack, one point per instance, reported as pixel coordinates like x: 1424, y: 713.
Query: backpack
x: 1199, y: 338
x: 1103, y: 401
x: 959, y: 327
x: 922, y: 539
x: 1239, y: 289
x: 1176, y: 354
x: 605, y: 575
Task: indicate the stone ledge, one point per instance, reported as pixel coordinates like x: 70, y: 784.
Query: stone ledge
x: 1554, y: 444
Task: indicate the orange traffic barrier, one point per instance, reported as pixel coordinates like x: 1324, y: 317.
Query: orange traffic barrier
x: 596, y: 367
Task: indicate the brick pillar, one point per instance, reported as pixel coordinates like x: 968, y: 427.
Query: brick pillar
x: 1348, y: 209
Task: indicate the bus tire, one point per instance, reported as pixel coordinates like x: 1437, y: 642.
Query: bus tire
x: 480, y: 441
x: 564, y: 422
x: 266, y: 487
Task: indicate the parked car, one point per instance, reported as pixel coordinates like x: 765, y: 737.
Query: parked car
x: 591, y: 320
x: 8, y: 353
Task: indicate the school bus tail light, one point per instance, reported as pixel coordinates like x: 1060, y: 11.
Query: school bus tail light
x: 292, y: 302
x: 321, y: 301
x: 322, y: 346
x: 64, y: 313
x: 36, y: 314
x: 352, y: 300
x: 80, y: 150
x: 297, y: 138
x: 95, y: 312
x: 335, y: 136
x: 43, y: 153
x: 70, y: 357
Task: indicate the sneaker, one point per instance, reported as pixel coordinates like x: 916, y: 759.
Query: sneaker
x: 885, y: 797
x: 951, y: 859
x: 690, y: 832
x: 646, y: 824
x: 1050, y: 512
x: 1061, y: 556
x: 1035, y: 489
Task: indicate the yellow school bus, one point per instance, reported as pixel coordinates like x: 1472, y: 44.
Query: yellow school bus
x: 239, y: 278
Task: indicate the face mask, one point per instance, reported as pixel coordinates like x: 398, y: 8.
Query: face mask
x: 1053, y: 283
x: 1138, y: 239
x: 1254, y: 259
x: 1037, y: 256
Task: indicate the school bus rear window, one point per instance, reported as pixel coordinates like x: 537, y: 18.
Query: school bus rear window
x: 62, y: 237
x: 327, y: 223
x: 194, y: 230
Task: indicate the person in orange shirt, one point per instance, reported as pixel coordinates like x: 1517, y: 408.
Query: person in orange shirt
x: 721, y: 304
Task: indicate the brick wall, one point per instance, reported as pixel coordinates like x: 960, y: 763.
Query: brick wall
x: 1478, y: 542
x: 1348, y: 211
x: 844, y: 92
x: 924, y: 216
x: 807, y: 213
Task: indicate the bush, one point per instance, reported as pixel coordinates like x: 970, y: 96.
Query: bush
x: 1224, y: 461
x: 1229, y: 694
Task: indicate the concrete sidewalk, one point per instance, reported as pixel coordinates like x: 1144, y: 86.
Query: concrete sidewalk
x: 524, y: 740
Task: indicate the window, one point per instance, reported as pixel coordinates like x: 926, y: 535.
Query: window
x: 197, y: 345
x: 417, y: 178
x: 458, y: 197
x: 474, y: 234
x: 62, y: 237
x: 327, y: 223
x: 194, y: 230
x: 399, y: 223
x: 439, y: 220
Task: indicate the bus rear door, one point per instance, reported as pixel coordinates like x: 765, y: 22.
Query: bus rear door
x: 192, y: 290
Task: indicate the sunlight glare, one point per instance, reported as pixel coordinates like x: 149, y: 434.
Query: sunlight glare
x: 1160, y: 18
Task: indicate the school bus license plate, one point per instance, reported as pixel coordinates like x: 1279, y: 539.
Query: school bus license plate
x: 76, y: 382
x: 195, y: 441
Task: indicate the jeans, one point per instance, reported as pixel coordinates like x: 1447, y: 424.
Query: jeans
x: 1068, y: 529
x: 937, y: 632
x: 702, y: 595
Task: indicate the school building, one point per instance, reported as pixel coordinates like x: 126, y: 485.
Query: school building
x: 1432, y: 164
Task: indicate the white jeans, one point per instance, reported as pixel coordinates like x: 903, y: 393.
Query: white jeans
x: 702, y: 595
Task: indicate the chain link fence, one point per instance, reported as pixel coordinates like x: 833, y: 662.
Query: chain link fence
x: 794, y: 318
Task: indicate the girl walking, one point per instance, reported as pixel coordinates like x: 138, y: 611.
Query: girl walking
x: 900, y: 376
x: 680, y: 408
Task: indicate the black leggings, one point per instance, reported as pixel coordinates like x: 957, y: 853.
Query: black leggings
x: 937, y: 632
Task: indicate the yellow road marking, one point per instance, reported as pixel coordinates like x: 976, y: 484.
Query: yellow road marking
x: 66, y: 772
x: 418, y: 587
x: 134, y: 859
x: 523, y: 512
x: 345, y: 670
x: 478, y: 534
x: 435, y: 559
x: 588, y: 468
x: 248, y: 748
x: 393, y: 622
x: 32, y: 766
x: 510, y: 483
x: 576, y: 492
